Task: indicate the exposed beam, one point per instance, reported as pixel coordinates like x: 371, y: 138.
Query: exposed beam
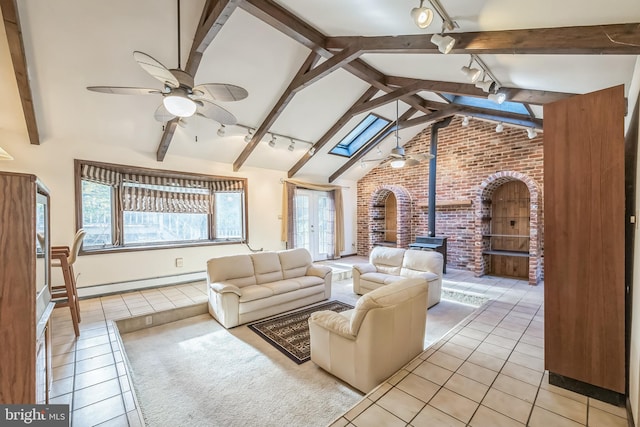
x: 528, y: 96
x: 330, y: 65
x: 214, y: 15
x: 410, y: 89
x: 165, y: 140
x: 275, y: 112
x: 333, y: 130
x: 11, y: 20
x: 614, y: 39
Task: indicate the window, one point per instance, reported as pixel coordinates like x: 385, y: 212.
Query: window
x: 364, y: 132
x: 507, y: 106
x: 123, y: 207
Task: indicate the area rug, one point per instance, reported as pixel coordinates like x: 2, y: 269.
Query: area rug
x: 289, y: 333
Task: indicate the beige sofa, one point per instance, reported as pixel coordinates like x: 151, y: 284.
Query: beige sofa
x: 244, y: 288
x: 389, y: 265
x: 368, y: 344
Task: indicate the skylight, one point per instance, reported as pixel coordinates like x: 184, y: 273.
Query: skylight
x: 364, y: 132
x: 507, y: 106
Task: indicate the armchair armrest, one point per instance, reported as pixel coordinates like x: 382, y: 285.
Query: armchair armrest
x: 318, y: 270
x: 221, y: 288
x: 333, y: 322
x: 365, y: 268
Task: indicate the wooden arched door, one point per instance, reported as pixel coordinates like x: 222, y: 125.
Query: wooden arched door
x: 510, y: 222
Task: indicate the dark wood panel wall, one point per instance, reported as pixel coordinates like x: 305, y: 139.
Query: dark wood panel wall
x: 584, y: 238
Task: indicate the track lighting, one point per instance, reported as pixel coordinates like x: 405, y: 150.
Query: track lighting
x: 498, y: 98
x: 363, y: 165
x: 249, y: 136
x: 486, y: 85
x: 422, y: 16
x: 291, y: 146
x: 312, y: 151
x: 272, y: 143
x: 499, y: 128
x: 531, y: 133
x: 465, y: 121
x: 444, y: 43
x: 222, y: 130
x: 473, y: 74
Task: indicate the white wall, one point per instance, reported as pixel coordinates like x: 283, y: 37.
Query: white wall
x: 52, y: 162
x: 634, y: 360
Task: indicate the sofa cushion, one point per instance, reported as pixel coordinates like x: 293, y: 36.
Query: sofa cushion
x: 308, y: 281
x: 282, y: 286
x: 416, y: 262
x: 384, y: 297
x: 387, y: 260
x: 252, y: 293
x: 294, y: 262
x: 267, y: 267
x: 234, y: 269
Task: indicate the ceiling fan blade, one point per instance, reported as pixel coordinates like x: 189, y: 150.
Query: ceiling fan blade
x: 162, y: 115
x: 423, y: 156
x: 124, y: 90
x: 215, y: 113
x: 156, y: 69
x: 220, y: 92
x: 411, y: 162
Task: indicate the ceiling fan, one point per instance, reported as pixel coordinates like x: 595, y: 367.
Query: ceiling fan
x: 398, y: 158
x: 180, y: 97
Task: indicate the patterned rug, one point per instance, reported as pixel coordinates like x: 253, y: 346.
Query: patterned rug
x: 289, y: 333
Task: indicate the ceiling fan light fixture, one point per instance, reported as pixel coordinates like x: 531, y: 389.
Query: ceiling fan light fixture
x: 221, y: 130
x: 473, y: 74
x: 499, y: 127
x: 178, y: 104
x: 531, y: 133
x: 422, y: 16
x: 498, y: 98
x: 397, y: 163
x: 444, y: 43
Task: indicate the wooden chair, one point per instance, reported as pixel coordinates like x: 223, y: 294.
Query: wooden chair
x: 67, y: 295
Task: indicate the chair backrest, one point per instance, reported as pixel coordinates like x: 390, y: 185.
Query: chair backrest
x: 387, y: 260
x: 75, y: 246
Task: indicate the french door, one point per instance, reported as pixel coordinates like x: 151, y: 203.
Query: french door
x: 313, y: 220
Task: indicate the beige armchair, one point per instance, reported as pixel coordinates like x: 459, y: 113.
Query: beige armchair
x: 368, y: 344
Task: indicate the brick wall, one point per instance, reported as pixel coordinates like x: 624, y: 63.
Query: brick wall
x: 472, y: 162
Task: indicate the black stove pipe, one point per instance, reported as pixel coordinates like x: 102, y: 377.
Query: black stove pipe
x: 431, y: 212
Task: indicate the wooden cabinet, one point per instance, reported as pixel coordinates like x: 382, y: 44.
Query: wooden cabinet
x: 25, y: 299
x: 584, y: 243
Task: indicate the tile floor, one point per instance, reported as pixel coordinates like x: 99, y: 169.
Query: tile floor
x: 488, y: 371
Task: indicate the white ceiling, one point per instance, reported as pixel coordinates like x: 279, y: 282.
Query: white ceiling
x: 71, y: 44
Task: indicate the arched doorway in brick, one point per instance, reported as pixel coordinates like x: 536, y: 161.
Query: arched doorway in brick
x: 377, y: 215
x: 483, y: 222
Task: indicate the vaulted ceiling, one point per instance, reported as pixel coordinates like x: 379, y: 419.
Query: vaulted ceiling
x: 313, y: 70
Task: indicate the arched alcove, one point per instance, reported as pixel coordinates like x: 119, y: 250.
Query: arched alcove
x: 483, y: 222
x: 377, y: 216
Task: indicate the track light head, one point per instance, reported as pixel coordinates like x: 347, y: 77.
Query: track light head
x: 249, y: 136
x: 422, y: 16
x: 531, y: 133
x: 444, y: 43
x: 291, y: 146
x: 312, y: 151
x: 498, y: 98
x: 473, y: 74
x: 486, y: 85
x: 363, y: 165
x: 465, y: 121
x: 222, y: 130
x: 499, y: 127
x: 272, y: 143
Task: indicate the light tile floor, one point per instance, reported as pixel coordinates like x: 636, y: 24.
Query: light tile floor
x: 488, y: 371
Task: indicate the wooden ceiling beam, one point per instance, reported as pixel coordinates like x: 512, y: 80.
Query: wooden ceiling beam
x: 342, y: 121
x: 275, y: 112
x: 12, y: 27
x: 614, y: 39
x: 327, y: 67
x: 214, y: 15
x: 528, y: 96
